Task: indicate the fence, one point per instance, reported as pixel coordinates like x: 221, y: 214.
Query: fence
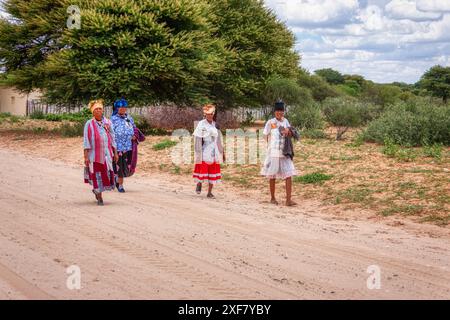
x: 241, y: 114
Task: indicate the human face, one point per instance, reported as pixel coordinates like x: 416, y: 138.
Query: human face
x: 98, y: 113
x: 279, y: 114
x: 122, y: 111
x: 209, y: 117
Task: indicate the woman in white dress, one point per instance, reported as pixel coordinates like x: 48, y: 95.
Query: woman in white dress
x: 277, y: 165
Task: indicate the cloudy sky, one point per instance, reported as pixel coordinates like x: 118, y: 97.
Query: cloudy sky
x: 383, y: 40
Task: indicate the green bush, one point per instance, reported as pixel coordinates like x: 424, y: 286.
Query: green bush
x: 54, y: 117
x: 5, y: 115
x: 412, y: 124
x: 164, y: 145
x: 37, y: 114
x: 307, y: 116
x: 390, y: 148
x: 433, y: 151
x: 342, y: 113
x: 393, y: 150
x: 316, y: 177
x: 82, y: 115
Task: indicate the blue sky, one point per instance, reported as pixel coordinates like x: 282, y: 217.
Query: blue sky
x: 383, y: 40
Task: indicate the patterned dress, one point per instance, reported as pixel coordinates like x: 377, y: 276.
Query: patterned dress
x: 99, y: 140
x: 124, y: 131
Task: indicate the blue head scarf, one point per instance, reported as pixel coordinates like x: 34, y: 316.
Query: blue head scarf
x: 121, y: 103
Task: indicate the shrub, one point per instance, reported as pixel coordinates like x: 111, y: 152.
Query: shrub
x: 433, y: 151
x: 411, y: 124
x: 308, y: 116
x: 164, y: 145
x: 37, y: 114
x: 316, y: 177
x: 286, y: 89
x: 342, y: 113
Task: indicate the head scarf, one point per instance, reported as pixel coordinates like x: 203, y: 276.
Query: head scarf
x: 95, y: 104
x: 209, y: 109
x: 279, y: 106
x: 121, y: 103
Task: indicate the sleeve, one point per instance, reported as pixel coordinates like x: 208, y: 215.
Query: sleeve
x: 219, y: 142
x: 198, y: 150
x: 113, y: 122
x: 287, y: 123
x: 267, y: 128
x: 86, y: 136
x: 132, y: 121
x: 113, y: 136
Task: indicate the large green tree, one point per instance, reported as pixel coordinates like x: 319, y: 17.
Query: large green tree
x: 437, y: 81
x: 182, y: 51
x: 260, y: 48
x: 148, y: 51
x: 330, y: 75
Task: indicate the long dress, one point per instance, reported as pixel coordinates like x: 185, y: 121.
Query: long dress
x: 208, y: 153
x: 123, y: 133
x: 99, y: 139
x: 276, y: 165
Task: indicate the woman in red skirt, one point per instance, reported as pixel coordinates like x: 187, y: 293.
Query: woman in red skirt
x: 208, y: 151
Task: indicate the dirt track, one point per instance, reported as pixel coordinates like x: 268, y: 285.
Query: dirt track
x: 162, y: 241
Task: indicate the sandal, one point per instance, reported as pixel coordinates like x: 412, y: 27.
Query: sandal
x: 198, y: 189
x: 210, y: 195
x: 273, y: 201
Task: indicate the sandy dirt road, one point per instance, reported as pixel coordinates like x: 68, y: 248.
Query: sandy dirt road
x: 162, y: 241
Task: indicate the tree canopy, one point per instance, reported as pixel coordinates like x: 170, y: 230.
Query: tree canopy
x: 437, y: 81
x: 185, y: 51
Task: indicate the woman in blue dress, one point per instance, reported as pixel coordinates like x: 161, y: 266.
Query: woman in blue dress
x: 123, y: 125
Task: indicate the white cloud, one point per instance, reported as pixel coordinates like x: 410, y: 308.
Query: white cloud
x: 372, y: 18
x: 407, y: 9
x: 383, y: 40
x: 433, y: 5
x: 315, y: 12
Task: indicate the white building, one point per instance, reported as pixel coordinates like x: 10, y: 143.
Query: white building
x: 14, y: 102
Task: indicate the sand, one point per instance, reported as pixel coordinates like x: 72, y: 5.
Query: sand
x: 160, y: 240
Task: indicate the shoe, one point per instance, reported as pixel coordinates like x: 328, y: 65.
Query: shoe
x: 100, y: 202
x: 121, y: 189
x: 199, y: 188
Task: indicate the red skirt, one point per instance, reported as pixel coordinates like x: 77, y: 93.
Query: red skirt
x: 101, y: 179
x: 208, y: 173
